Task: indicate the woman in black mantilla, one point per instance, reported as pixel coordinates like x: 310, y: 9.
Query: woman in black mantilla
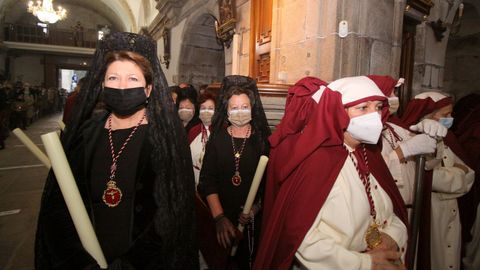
x: 132, y: 166
x: 238, y: 139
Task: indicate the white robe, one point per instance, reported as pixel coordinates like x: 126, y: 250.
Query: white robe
x: 336, y: 239
x: 197, y: 150
x: 448, y: 183
x: 403, y: 173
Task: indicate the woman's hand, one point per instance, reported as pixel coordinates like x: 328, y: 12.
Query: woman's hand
x: 387, y: 243
x: 385, y: 260
x: 226, y: 232
x: 245, y: 219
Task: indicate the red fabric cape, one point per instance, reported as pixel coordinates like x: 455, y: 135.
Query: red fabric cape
x: 385, y: 83
x: 193, y: 132
x: 298, y: 182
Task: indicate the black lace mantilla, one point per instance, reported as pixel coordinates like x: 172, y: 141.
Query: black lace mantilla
x: 259, y: 119
x: 140, y: 44
x: 174, y: 187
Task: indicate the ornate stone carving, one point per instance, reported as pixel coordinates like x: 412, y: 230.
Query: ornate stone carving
x: 225, y: 27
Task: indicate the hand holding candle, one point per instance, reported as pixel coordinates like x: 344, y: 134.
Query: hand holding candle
x: 257, y: 178
x: 72, y: 197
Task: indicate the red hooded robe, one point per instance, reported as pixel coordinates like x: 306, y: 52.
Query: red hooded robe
x: 306, y: 157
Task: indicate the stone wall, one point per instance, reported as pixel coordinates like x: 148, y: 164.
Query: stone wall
x: 306, y: 41
x: 28, y: 68
x: 429, y: 66
x: 202, y: 60
x: 196, y: 57
x: 462, y: 72
x: 243, y: 31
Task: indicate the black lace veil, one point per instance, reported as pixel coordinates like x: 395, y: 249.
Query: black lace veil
x: 174, y: 185
x: 259, y: 122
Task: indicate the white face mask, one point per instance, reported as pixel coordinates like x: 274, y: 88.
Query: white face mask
x: 394, y: 104
x: 206, y: 116
x: 366, y: 128
x: 185, y: 115
x: 240, y: 118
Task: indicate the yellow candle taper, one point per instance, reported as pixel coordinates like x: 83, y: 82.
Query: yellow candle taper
x: 72, y: 197
x: 32, y: 147
x: 257, y: 178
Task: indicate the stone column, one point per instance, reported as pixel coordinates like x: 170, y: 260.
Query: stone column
x: 430, y: 53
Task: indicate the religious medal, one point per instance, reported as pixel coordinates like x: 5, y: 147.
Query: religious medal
x: 373, y: 236
x: 237, y: 154
x: 236, y: 179
x: 112, y: 195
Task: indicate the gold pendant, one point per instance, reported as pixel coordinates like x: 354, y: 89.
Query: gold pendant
x: 373, y: 236
x: 236, y: 179
x: 112, y: 195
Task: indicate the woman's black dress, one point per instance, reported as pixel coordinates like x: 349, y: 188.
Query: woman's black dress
x: 216, y: 177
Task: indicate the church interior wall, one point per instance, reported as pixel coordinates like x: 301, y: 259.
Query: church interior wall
x: 202, y: 60
x: 306, y: 41
x: 87, y: 17
x: 28, y: 68
x: 462, y: 60
x: 192, y: 64
x: 243, y: 31
x: 429, y: 63
x: 175, y: 40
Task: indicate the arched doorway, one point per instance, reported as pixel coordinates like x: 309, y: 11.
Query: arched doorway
x: 202, y: 58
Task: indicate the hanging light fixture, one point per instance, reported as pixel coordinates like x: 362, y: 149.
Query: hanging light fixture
x: 44, y: 11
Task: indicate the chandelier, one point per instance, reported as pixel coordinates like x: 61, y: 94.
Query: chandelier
x: 44, y: 11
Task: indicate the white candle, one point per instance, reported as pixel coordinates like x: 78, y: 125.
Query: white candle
x: 257, y: 178
x: 235, y: 54
x: 32, y: 147
x: 72, y: 197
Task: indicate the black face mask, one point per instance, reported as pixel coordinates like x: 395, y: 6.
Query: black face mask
x: 124, y: 102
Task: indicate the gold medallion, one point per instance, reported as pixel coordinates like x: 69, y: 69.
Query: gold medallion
x: 373, y: 236
x: 112, y: 196
x: 236, y: 179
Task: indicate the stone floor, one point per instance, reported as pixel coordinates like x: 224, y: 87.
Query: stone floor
x: 22, y: 177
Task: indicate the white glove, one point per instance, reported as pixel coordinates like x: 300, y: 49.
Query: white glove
x: 418, y: 144
x: 430, y: 127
